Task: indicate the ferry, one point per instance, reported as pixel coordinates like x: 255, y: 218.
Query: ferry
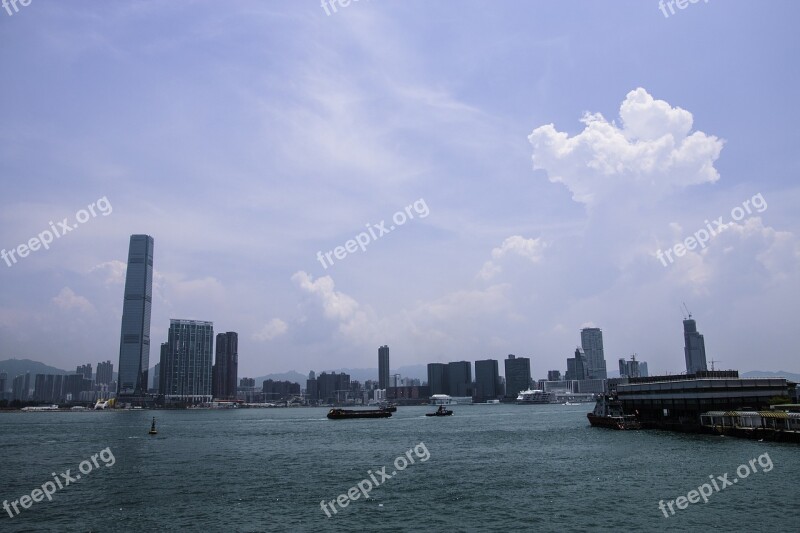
x: 340, y: 414
x: 535, y: 396
x: 608, y: 413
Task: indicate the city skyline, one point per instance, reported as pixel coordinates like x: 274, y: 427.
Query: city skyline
x: 519, y: 249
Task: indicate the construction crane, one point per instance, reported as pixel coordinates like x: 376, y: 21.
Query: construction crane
x: 687, y: 312
x: 712, y: 364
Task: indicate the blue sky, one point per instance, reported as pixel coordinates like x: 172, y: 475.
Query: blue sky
x: 556, y: 145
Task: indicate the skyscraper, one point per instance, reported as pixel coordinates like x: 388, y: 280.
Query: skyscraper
x: 459, y: 378
x: 518, y: 375
x: 383, y: 367
x: 134, y: 343
x: 105, y: 373
x: 85, y: 370
x: 577, y: 367
x: 487, y: 380
x: 226, y: 366
x: 592, y: 344
x: 438, y: 382
x: 694, y: 347
x: 186, y: 361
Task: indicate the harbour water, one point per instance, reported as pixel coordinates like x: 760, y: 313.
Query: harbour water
x: 488, y: 468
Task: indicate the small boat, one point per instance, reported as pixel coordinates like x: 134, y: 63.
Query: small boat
x: 153, y: 428
x: 608, y: 413
x: 390, y: 407
x: 339, y: 414
x: 441, y: 411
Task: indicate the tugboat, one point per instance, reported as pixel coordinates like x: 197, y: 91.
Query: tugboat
x: 608, y: 413
x: 153, y: 428
x: 441, y: 411
x: 340, y: 414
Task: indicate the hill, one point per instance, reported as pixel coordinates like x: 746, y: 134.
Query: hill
x: 15, y: 367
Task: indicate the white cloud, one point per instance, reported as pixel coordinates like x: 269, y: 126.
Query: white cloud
x: 68, y: 300
x: 272, y: 329
x: 531, y: 249
x: 652, y: 152
x: 114, y: 271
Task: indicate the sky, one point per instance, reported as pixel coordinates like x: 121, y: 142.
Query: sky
x: 532, y: 158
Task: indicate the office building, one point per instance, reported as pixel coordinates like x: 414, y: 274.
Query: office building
x: 592, y: 344
x: 3, y: 385
x: 186, y: 362
x: 553, y: 375
x: 226, y: 366
x: 383, y: 367
x: 312, y: 392
x: 487, y: 380
x: 694, y: 347
x: 459, y: 378
x: 105, y: 373
x: 577, y: 367
x: 632, y: 368
x: 518, y: 375
x: 134, y: 344
x: 438, y: 381
x: 155, y: 383
x: 26, y: 390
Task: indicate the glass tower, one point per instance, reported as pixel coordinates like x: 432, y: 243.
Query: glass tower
x: 592, y: 344
x: 134, y: 343
x: 383, y: 367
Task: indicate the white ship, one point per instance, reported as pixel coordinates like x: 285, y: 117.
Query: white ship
x: 535, y: 396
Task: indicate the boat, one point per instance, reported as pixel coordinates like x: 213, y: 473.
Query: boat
x: 608, y: 413
x: 441, y: 411
x: 153, y: 428
x: 340, y: 414
x: 389, y: 407
x: 535, y: 396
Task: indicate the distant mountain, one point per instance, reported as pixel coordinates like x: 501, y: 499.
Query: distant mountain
x: 15, y: 367
x: 779, y: 374
x: 294, y: 377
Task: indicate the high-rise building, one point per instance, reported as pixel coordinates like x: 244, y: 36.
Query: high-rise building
x: 643, y: 369
x: 487, y: 380
x: 26, y: 391
x: 333, y: 387
x: 312, y: 392
x: 632, y: 368
x: 105, y: 373
x: 18, y: 388
x: 694, y: 347
x: 383, y: 367
x: 459, y: 378
x: 134, y: 343
x: 85, y: 370
x: 3, y: 385
x: 553, y: 375
x: 438, y: 381
x: 186, y: 361
x: 155, y: 383
x: 518, y: 375
x: 577, y: 367
x: 226, y: 366
x: 592, y: 344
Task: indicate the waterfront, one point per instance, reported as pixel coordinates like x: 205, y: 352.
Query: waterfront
x: 491, y: 468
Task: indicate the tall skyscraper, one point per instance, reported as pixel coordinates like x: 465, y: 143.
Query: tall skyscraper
x: 17, y: 388
x: 134, y: 343
x: 694, y: 347
x: 438, y: 381
x: 487, y: 380
x: 592, y: 344
x: 632, y: 368
x: 3, y: 385
x: 518, y: 375
x: 226, y: 366
x: 459, y: 378
x: 105, y: 373
x: 186, y: 361
x: 383, y: 367
x: 85, y: 370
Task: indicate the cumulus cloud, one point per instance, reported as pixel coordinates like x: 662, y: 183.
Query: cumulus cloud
x: 530, y: 249
x: 68, y: 300
x: 653, y: 151
x: 274, y: 328
x: 114, y: 271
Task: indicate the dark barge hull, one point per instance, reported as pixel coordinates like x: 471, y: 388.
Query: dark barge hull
x: 342, y: 414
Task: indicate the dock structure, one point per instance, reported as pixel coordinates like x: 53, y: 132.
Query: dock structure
x: 678, y: 402
x: 776, y: 425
